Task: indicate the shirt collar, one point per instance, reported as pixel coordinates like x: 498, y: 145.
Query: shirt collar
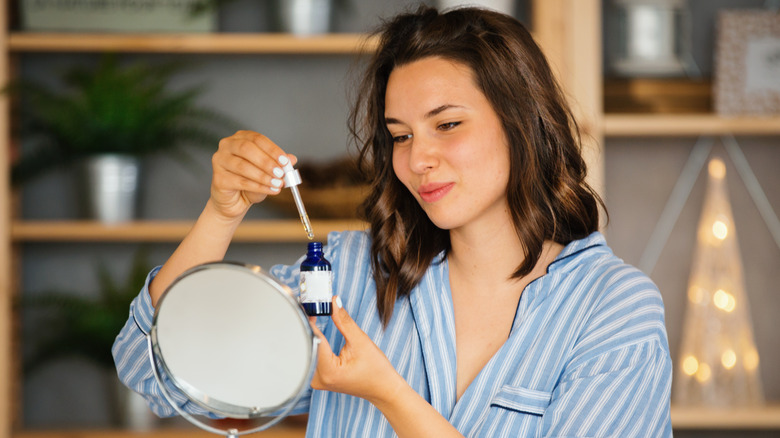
x: 567, y: 255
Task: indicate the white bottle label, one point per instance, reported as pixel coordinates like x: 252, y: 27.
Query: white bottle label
x: 316, y: 286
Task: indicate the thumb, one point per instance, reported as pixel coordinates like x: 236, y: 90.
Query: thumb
x: 346, y: 325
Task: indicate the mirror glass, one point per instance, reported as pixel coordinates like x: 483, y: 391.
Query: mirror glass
x: 234, y: 340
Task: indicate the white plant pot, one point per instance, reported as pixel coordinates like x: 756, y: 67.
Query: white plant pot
x: 503, y: 6
x: 109, y: 187
x: 305, y: 17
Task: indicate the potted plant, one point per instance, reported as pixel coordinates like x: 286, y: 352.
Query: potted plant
x: 106, y: 119
x: 67, y: 324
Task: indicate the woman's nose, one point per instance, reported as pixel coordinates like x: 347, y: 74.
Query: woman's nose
x: 423, y: 156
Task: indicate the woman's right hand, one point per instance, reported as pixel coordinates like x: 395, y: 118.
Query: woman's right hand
x: 246, y: 169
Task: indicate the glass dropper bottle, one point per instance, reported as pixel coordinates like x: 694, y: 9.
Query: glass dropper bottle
x: 316, y: 284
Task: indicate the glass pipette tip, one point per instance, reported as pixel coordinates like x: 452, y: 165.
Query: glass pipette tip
x: 302, y: 212
x: 292, y: 178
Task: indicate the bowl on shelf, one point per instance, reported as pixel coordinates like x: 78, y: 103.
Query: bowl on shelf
x: 330, y: 190
x: 340, y: 202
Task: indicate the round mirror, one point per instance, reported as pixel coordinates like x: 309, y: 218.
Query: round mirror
x: 234, y: 341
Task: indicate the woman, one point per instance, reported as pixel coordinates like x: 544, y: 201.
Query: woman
x: 482, y: 301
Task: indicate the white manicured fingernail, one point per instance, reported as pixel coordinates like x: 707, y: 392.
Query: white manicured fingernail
x: 278, y: 172
x: 283, y: 160
x: 276, y: 182
x: 339, y: 304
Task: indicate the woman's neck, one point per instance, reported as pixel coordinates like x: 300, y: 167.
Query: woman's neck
x: 487, y: 252
x: 492, y: 254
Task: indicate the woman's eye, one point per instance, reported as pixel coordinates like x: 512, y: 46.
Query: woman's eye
x: 401, y: 138
x: 449, y: 125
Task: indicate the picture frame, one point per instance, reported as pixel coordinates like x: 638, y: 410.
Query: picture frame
x: 747, y: 63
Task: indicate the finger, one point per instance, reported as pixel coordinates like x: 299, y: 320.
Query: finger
x: 259, y: 149
x: 244, y: 177
x: 344, y: 323
x: 243, y: 168
x: 317, y: 332
x: 327, y: 361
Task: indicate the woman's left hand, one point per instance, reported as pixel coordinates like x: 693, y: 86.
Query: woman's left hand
x: 360, y: 369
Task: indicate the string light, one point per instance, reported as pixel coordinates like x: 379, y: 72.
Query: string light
x: 704, y: 373
x: 690, y: 365
x: 696, y: 294
x: 724, y: 300
x: 751, y: 360
x: 717, y: 168
x: 728, y: 359
x: 720, y: 230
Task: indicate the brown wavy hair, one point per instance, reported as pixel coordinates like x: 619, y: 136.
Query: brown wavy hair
x: 547, y: 193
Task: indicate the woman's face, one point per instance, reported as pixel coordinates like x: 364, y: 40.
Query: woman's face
x: 449, y: 149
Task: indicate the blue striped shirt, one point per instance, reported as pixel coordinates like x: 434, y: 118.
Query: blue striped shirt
x: 587, y: 355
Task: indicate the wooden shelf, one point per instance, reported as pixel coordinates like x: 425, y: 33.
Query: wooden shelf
x: 169, y: 231
x: 758, y: 418
x: 216, y: 43
x: 655, y: 125
x: 275, y: 432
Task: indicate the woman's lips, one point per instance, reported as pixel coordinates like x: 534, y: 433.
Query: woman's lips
x: 432, y: 192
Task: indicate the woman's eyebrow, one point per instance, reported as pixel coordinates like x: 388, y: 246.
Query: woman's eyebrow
x: 440, y: 109
x: 432, y: 113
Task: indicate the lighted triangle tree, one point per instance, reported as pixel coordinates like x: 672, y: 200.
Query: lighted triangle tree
x: 718, y: 362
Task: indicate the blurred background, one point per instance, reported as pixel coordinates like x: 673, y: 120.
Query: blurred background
x: 301, y: 102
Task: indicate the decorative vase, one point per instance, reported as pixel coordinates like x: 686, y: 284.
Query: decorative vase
x: 649, y: 38
x: 305, y: 17
x: 503, y: 6
x: 109, y: 187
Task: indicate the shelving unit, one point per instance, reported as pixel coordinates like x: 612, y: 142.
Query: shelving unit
x: 568, y: 30
x: 277, y: 231
x: 682, y: 125
x: 21, y: 42
x: 757, y: 418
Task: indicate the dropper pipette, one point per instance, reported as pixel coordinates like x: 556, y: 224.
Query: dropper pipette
x: 292, y: 178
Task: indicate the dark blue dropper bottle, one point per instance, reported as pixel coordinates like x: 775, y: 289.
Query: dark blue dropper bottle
x: 316, y: 286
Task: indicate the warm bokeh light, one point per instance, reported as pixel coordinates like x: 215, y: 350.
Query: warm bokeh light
x: 751, y: 360
x: 724, y: 300
x: 728, y: 359
x: 720, y: 230
x: 704, y: 373
x: 717, y: 168
x: 690, y: 365
x: 696, y: 294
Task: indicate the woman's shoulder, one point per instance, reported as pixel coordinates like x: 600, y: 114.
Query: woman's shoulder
x: 618, y: 303
x: 593, y: 261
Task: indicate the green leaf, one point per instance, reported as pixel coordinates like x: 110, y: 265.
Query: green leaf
x: 111, y: 108
x: 84, y: 326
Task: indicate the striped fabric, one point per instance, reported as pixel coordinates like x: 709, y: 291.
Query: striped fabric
x: 587, y: 355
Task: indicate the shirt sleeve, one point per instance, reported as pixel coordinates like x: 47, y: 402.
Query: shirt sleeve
x: 133, y: 360
x: 623, y: 392
x: 617, y: 382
